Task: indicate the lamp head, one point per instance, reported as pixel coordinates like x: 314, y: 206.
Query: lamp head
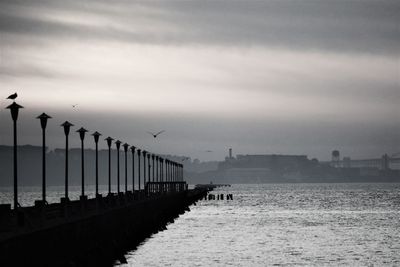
x: 43, y: 119
x: 67, y: 125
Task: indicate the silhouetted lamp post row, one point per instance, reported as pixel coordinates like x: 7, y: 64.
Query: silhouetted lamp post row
x: 172, y: 172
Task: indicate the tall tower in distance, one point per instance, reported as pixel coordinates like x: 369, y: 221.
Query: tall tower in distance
x: 230, y: 153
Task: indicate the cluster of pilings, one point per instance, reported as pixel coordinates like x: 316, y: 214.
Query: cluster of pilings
x: 164, y: 175
x: 218, y: 197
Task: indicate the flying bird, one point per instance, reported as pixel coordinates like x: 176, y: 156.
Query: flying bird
x: 208, y: 151
x: 73, y: 106
x: 155, y: 135
x: 13, y: 96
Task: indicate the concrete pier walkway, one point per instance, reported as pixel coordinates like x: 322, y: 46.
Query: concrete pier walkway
x: 90, y: 232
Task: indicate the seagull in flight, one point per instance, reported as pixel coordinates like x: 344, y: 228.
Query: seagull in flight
x: 13, y: 96
x: 73, y: 106
x: 208, y: 151
x: 156, y: 134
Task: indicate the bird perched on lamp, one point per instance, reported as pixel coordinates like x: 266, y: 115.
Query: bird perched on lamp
x: 13, y: 96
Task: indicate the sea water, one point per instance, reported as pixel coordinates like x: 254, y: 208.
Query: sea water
x: 283, y: 225
x: 270, y: 225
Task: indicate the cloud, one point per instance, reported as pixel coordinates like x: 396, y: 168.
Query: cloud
x: 345, y: 26
x: 300, y: 76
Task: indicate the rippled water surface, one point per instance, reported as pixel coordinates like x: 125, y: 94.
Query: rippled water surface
x: 285, y: 224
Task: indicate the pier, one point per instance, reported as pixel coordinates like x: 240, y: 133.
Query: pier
x: 96, y: 231
x: 92, y: 232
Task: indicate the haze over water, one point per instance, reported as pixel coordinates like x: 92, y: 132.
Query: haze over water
x: 283, y: 225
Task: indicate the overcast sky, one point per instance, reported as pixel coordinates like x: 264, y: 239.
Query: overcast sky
x: 290, y: 77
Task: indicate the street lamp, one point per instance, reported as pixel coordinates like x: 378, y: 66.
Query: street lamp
x: 148, y: 167
x: 67, y: 125
x: 144, y: 152
x: 126, y: 146
x: 171, y: 171
x: 181, y: 173
x: 167, y: 170
x: 133, y: 168
x: 96, y: 136
x: 109, y: 142
x: 43, y: 123
x: 139, y: 152
x: 152, y: 157
x: 82, y: 132
x: 157, y: 163
x: 162, y: 169
x: 118, y: 144
x: 14, y: 108
x: 175, y: 172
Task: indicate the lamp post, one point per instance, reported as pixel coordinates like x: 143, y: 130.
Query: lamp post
x: 82, y: 132
x: 162, y: 174
x: 157, y: 162
x: 14, y: 108
x: 152, y: 158
x: 169, y: 171
x: 162, y: 169
x: 43, y: 123
x: 144, y: 152
x: 177, y: 171
x: 133, y: 168
x: 109, y: 143
x: 181, y: 173
x: 148, y: 167
x: 173, y: 171
x: 166, y: 170
x: 126, y: 146
x: 178, y: 167
x: 67, y: 125
x: 118, y: 144
x: 96, y: 136
x: 138, y: 153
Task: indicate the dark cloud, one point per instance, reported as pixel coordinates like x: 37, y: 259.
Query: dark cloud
x: 353, y: 26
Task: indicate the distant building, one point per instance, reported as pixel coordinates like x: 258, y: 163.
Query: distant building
x: 335, y: 159
x: 263, y: 168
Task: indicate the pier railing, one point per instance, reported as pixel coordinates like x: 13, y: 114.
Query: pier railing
x: 162, y: 187
x: 40, y: 215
